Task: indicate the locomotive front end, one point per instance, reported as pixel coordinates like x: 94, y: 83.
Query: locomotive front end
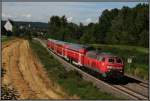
x: 112, y: 66
x: 115, y: 67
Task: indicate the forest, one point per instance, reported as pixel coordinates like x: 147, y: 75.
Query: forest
x: 125, y: 26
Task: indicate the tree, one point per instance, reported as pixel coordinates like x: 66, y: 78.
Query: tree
x: 88, y: 36
x: 129, y: 26
x: 104, y: 24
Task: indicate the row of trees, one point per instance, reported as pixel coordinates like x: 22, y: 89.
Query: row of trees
x: 60, y: 29
x: 128, y: 26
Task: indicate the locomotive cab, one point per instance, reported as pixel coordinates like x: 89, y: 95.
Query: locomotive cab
x: 113, y: 65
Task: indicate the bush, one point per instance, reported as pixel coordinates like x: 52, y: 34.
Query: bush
x: 8, y: 93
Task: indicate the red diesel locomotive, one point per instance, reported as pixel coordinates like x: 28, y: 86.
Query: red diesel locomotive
x: 106, y: 64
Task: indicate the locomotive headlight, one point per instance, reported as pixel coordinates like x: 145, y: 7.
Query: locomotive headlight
x: 109, y: 67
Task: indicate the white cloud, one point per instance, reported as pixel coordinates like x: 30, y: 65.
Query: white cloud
x: 27, y: 15
x: 88, y: 20
x: 69, y: 19
x: 74, y: 11
x: 3, y: 14
x: 6, y: 16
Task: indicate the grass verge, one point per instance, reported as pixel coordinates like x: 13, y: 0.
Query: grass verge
x: 8, y: 93
x: 71, y: 81
x: 4, y: 39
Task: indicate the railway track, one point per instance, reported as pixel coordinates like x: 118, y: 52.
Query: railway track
x: 132, y: 93
x: 144, y: 84
x: 141, y: 82
x: 125, y: 90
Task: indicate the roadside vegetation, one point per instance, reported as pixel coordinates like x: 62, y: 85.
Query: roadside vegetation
x: 71, y: 81
x: 140, y: 58
x: 8, y: 93
x: 6, y: 38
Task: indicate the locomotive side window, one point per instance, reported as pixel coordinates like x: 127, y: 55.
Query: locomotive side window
x: 103, y: 59
x: 88, y: 53
x: 100, y: 58
x: 111, y: 60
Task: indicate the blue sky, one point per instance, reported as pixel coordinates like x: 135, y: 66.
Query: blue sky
x: 76, y: 12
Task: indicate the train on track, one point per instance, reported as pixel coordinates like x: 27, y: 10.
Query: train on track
x: 106, y: 64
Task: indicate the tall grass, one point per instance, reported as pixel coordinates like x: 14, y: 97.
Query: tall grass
x: 5, y: 38
x: 71, y: 81
x: 126, y: 47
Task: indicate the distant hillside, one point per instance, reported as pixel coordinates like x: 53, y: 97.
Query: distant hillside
x: 33, y: 24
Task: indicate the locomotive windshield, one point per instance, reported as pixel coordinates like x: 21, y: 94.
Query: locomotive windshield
x: 114, y: 60
x: 111, y: 60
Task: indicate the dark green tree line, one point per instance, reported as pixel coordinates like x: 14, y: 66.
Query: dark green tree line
x: 129, y: 26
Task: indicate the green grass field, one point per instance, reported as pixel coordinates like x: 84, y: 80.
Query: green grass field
x: 140, y: 62
x: 6, y: 38
x: 71, y: 81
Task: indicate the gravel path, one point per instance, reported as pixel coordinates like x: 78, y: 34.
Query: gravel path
x: 26, y: 74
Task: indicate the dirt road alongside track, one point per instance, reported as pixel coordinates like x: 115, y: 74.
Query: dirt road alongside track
x: 26, y: 74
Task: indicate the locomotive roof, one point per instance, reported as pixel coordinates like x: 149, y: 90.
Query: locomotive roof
x: 94, y: 52
x: 107, y: 54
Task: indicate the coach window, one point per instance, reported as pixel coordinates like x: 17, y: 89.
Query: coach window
x: 92, y: 55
